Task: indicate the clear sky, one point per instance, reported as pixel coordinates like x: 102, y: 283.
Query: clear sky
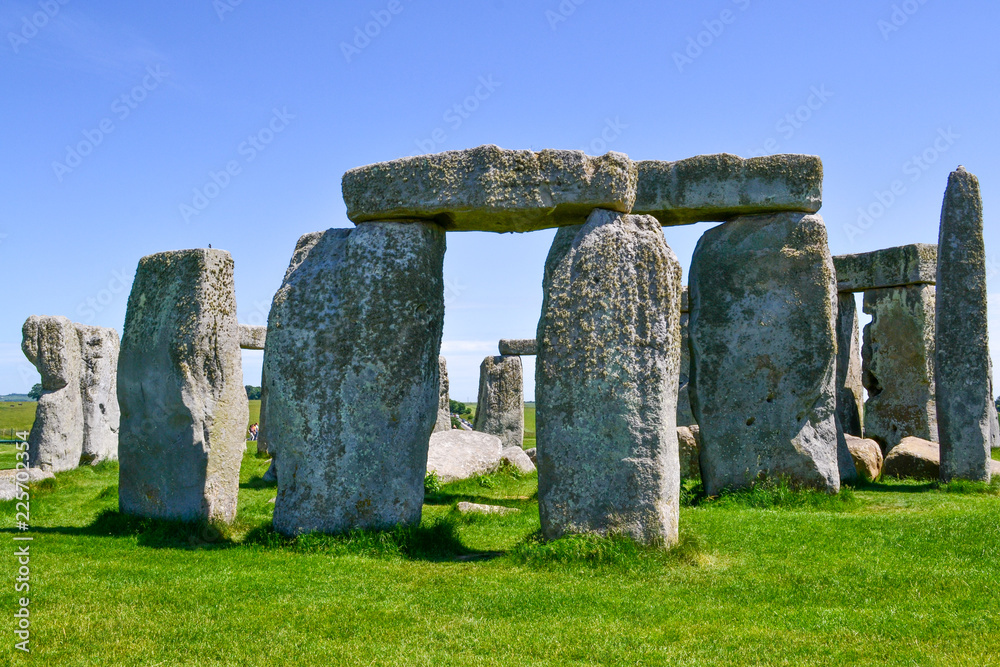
x: 134, y: 128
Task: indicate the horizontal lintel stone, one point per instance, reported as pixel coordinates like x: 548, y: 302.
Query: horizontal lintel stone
x: 518, y: 347
x: 252, y: 337
x: 914, y: 264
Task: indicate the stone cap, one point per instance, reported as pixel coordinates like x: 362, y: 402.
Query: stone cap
x: 685, y: 300
x: 491, y: 189
x: 252, y: 337
x: 914, y: 264
x: 525, y: 347
x: 716, y: 188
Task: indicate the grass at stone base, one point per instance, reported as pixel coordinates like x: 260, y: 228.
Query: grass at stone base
x: 898, y: 573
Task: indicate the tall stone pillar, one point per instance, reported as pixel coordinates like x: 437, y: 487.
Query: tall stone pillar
x: 99, y: 348
x: 685, y: 417
x: 500, y: 406
x: 444, y: 404
x: 850, y: 389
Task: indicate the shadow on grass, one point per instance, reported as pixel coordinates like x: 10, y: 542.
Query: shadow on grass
x: 258, y: 483
x: 618, y: 552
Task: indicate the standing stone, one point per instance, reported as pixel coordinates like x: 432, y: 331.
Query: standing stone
x: 850, y: 389
x: 264, y: 445
x: 53, y: 346
x: 99, y: 392
x: 184, y: 409
x: 352, y: 368
x: 685, y: 417
x: 444, y: 405
x: 898, y: 365
x: 500, y: 408
x: 606, y: 381
x: 763, y: 344
x: 966, y: 421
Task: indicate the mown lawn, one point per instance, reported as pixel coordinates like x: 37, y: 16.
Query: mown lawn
x: 893, y: 574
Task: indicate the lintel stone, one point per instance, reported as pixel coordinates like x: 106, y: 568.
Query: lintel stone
x: 518, y: 347
x: 914, y: 264
x: 252, y: 337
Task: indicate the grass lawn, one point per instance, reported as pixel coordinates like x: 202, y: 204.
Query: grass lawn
x: 900, y: 573
x: 19, y: 415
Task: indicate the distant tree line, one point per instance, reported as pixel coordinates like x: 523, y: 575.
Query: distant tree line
x: 459, y: 408
x: 253, y: 393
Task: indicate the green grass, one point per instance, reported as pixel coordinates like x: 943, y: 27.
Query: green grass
x: 19, y: 415
x: 900, y: 573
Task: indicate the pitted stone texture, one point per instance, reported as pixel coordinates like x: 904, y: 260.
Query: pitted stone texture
x: 99, y: 349
x: 850, y: 389
x: 517, y: 457
x: 444, y: 405
x: 606, y: 381
x: 721, y: 187
x: 491, y: 189
x: 500, y: 408
x: 522, y: 347
x: 184, y: 409
x: 867, y: 455
x: 53, y: 346
x: 914, y: 264
x: 352, y: 367
x: 252, y: 337
x: 689, y: 445
x: 763, y: 346
x: 685, y: 417
x: 965, y: 410
x: 455, y: 455
x: 898, y: 365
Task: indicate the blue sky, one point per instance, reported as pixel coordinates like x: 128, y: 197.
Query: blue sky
x: 134, y: 128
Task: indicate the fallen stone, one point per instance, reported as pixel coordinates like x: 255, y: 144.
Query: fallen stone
x: 252, y: 337
x: 915, y: 458
x: 533, y: 455
x: 455, y: 454
x: 763, y: 341
x: 867, y: 455
x: 476, y: 508
x: 850, y: 388
x: 444, y: 404
x: 898, y: 365
x: 606, y: 381
x: 184, y: 409
x: 491, y: 189
x: 52, y: 345
x: 12, y: 481
x: 516, y: 457
x: 526, y: 347
x: 99, y: 349
x: 351, y: 362
x: 965, y: 410
x: 689, y: 446
x: 721, y: 187
x: 500, y: 408
x: 914, y: 264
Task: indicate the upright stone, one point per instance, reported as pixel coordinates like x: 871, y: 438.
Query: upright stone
x: 966, y: 422
x: 352, y: 368
x: 99, y: 349
x: 685, y: 417
x: 444, y: 404
x: 184, y: 410
x: 53, y: 346
x: 500, y: 408
x: 850, y: 390
x: 264, y: 444
x: 763, y: 346
x: 898, y: 365
x: 606, y: 381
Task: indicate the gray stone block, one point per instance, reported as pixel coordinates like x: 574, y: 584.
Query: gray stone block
x: 99, y: 349
x: 444, y: 405
x: 850, y: 388
x: 914, y: 264
x: 252, y: 337
x: 522, y: 347
x: 500, y: 407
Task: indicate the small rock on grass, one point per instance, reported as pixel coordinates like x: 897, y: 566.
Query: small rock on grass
x: 476, y: 508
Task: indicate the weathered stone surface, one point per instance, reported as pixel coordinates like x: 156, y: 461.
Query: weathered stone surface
x: 444, y: 405
x: 491, y: 189
x: 533, y: 455
x: 184, y: 410
x: 525, y: 347
x: 53, y: 346
x: 606, y: 381
x: 763, y: 346
x: 689, y: 446
x: 965, y: 411
x: 264, y: 445
x: 850, y: 389
x: 252, y: 337
x: 914, y: 264
x: 271, y: 475
x: 351, y: 364
x: 12, y: 482
x: 476, y: 508
x: 913, y: 457
x: 867, y: 455
x: 898, y: 365
x: 685, y: 416
x: 455, y: 454
x: 685, y: 301
x: 517, y: 458
x: 721, y: 187
x: 500, y: 408
x: 99, y: 392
